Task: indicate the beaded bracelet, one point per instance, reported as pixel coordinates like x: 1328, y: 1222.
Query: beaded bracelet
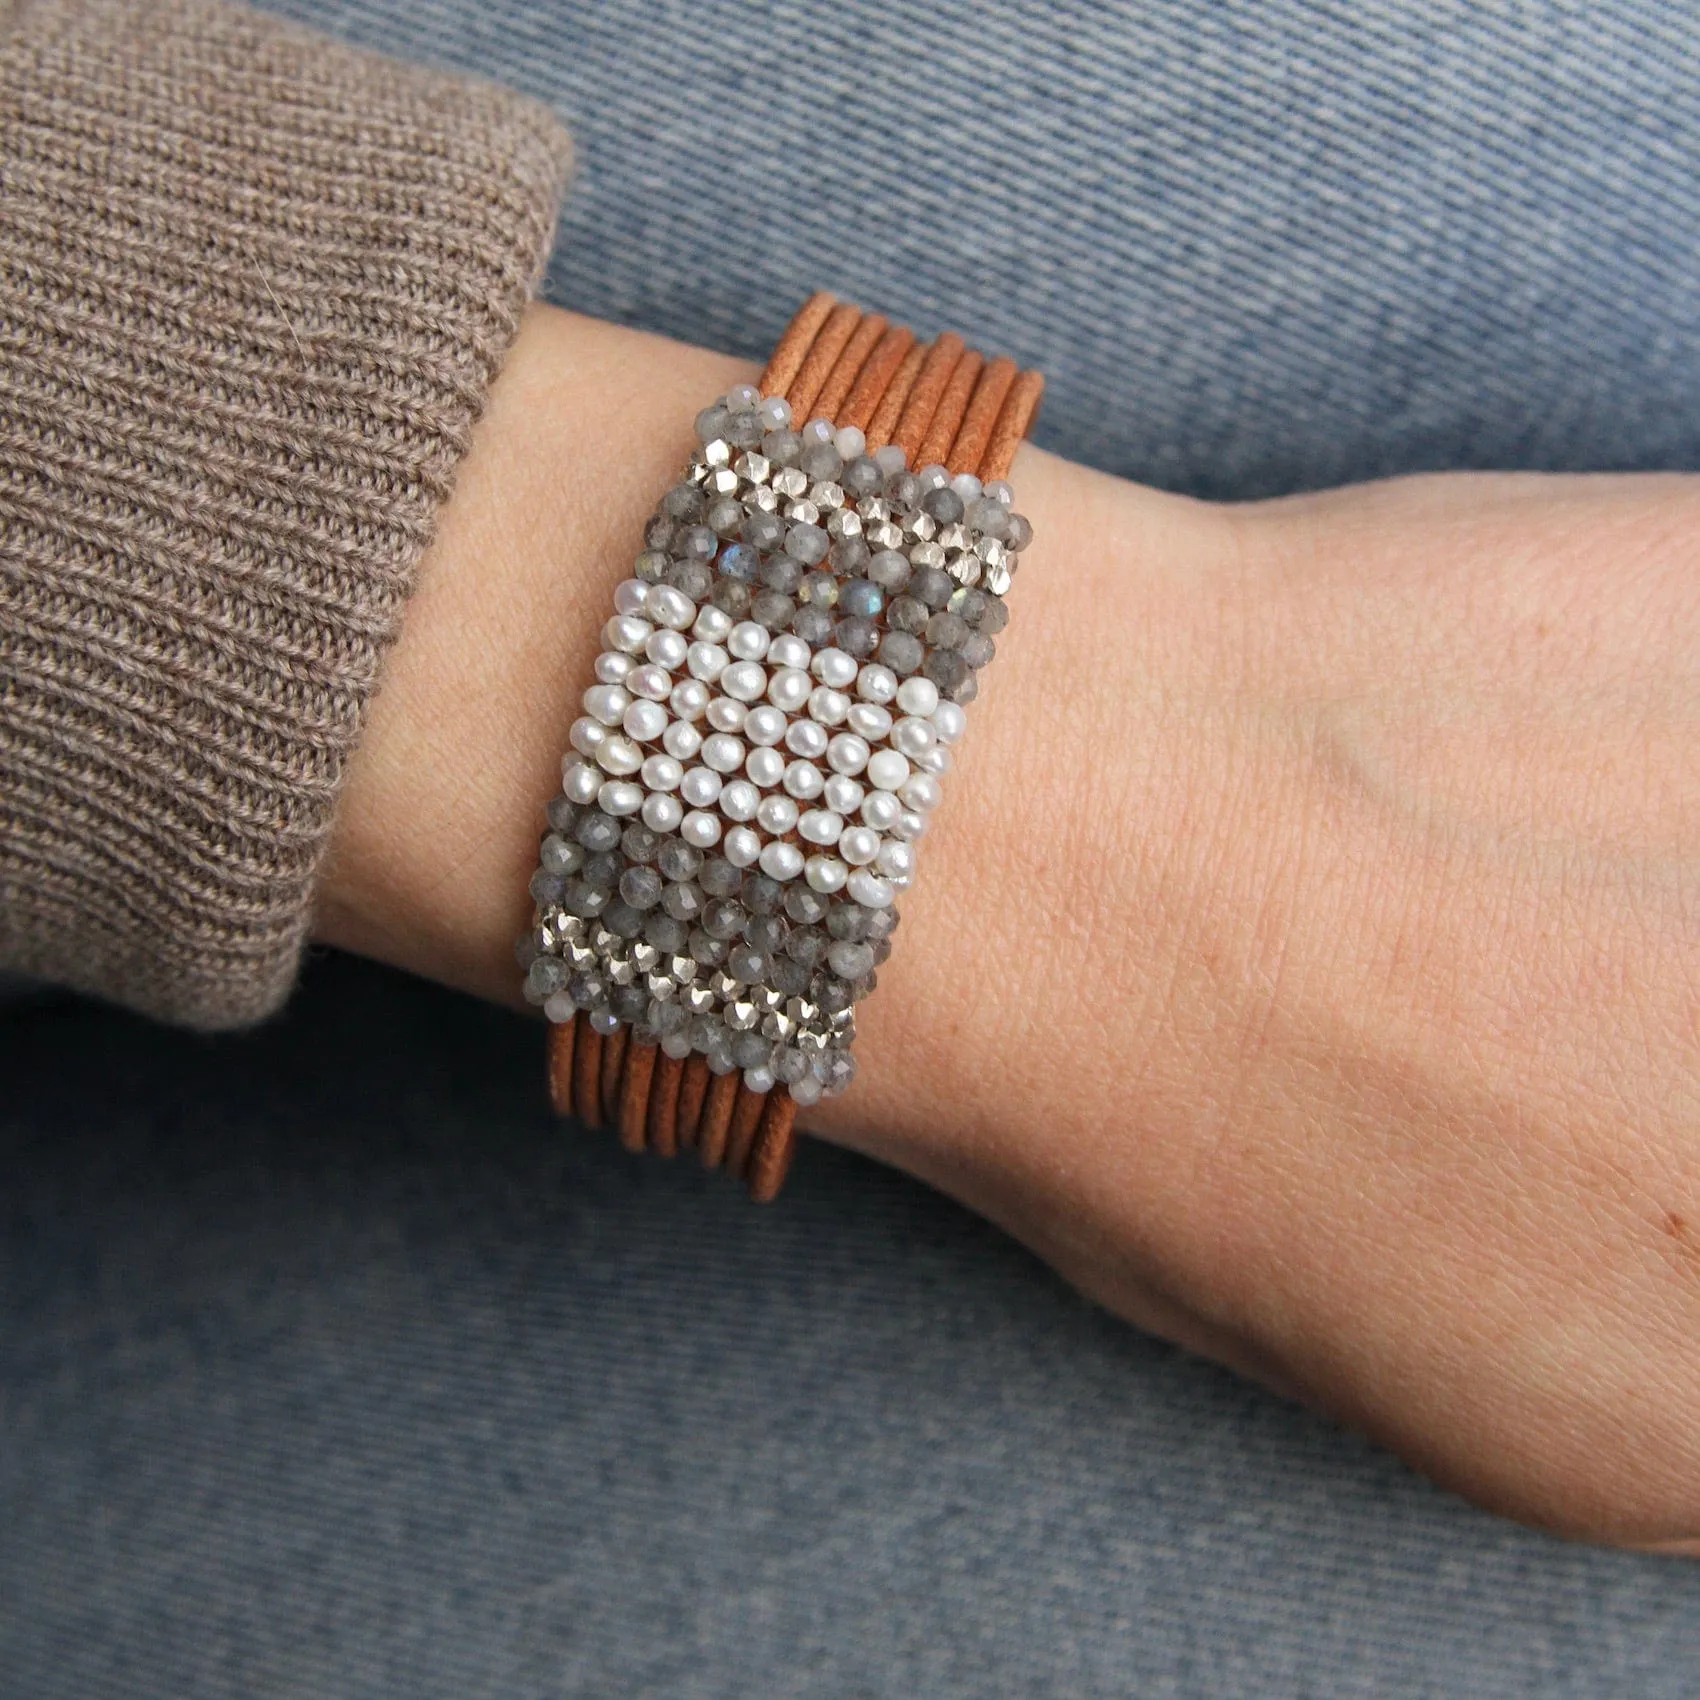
x: 780, y: 685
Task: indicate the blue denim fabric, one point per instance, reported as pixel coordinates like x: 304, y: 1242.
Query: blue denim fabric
x: 330, y: 1367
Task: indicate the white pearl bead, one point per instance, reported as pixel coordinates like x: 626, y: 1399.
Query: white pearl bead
x: 921, y: 793
x: 627, y: 632
x: 707, y: 661
x: 869, y: 889
x: 849, y: 442
x: 607, y: 703
x: 662, y: 773
x: 681, y: 740
x: 765, y: 766
x: 645, y: 720
x: 876, y: 683
x: 748, y: 641
x: 803, y: 781
x: 917, y: 695
x: 723, y: 752
x: 828, y: 706
x: 742, y: 847
x: 745, y: 680
x: 858, y: 845
x: 896, y: 860
x: 910, y: 826
x: 781, y: 861
x: 619, y: 756
x: 587, y: 735
x: 726, y: 714
x: 700, y: 788
x: 667, y: 648
x: 949, y: 721
x: 669, y: 607
x: 764, y: 724
x: 700, y: 828
x: 805, y: 738
x: 842, y: 794
x: 888, y: 769
x: 662, y: 813
x: 688, y: 699
x: 833, y: 667
x: 739, y: 800
x: 936, y: 760
x: 620, y: 797
x: 788, y: 650
x: 788, y: 689
x: 713, y: 625
x: 629, y: 596
x: 825, y: 874
x: 870, y: 721
x: 613, y: 668
x: 650, y: 680
x: 913, y: 735
x: 847, y: 753
x: 777, y: 814
x: 820, y: 826
x: 580, y: 781
x: 880, y: 810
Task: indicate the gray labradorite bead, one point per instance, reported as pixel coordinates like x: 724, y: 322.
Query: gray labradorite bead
x: 1020, y: 532
x: 585, y: 900
x: 881, y: 949
x: 659, y: 533
x: 586, y: 988
x: 528, y: 947
x: 996, y: 616
x: 760, y: 894
x: 772, y: 609
x: 724, y: 918
x: 667, y: 1016
x: 813, y: 624
x: 678, y: 860
x: 903, y: 490
x: 782, y: 447
x: 882, y: 923
x: 847, y: 921
x: 889, y: 570
x: 819, y: 590
x: 603, y: 869
x: 764, y: 531
x: 966, y: 692
x: 751, y: 1050
x: 821, y: 461
x: 946, y: 669
x: 665, y: 933
x: 943, y: 504
x: 862, y: 476
x: 684, y: 502
x: 836, y: 1070
x: 807, y: 945
x: 562, y: 813
x: 862, y: 598
x: 622, y: 919
x: 726, y: 517
x: 695, y: 543
x: 789, y: 1065
x: 809, y: 543
x: 597, y: 831
x: 546, y: 974
x: 707, y: 952
x: 712, y: 422
x: 781, y: 573
x: 638, y: 843
x: 932, y: 585
x: 719, y: 878
x: 684, y: 901
x: 766, y: 933
x: 790, y: 978
x: 856, y: 637
x: 988, y: 516
x: 743, y: 430
x: 850, y: 959
x: 718, y: 1056
x: 746, y: 964
x: 731, y: 596
x: 694, y: 579
x: 901, y: 652
x: 978, y: 649
x: 907, y: 614
x: 848, y: 557
x: 651, y: 566
x: 641, y: 887
x: 970, y: 603
x: 832, y: 994
x: 630, y: 1003
x: 557, y: 856
x: 946, y: 630
x: 803, y: 904
x: 740, y: 561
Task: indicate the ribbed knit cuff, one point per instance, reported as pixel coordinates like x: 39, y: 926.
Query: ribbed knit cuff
x: 253, y: 288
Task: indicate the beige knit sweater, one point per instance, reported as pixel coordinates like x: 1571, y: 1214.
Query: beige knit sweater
x: 253, y: 288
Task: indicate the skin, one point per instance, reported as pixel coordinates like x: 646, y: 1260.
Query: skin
x: 1306, y: 958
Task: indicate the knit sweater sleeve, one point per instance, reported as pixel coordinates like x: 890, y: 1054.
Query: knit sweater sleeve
x: 253, y: 288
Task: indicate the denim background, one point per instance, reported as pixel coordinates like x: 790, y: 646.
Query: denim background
x: 330, y: 1367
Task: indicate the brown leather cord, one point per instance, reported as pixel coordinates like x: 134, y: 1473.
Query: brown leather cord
x: 662, y: 1131
x: 829, y: 404
x: 934, y: 448
x: 561, y: 1037
x: 983, y: 409
x: 717, y: 1118
x: 633, y: 1102
x: 944, y: 404
x: 875, y: 377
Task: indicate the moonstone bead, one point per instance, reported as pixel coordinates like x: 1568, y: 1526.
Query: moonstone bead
x: 739, y: 800
x: 681, y: 740
x: 661, y: 812
x: 803, y: 781
x: 825, y: 873
x: 607, y: 703
x: 707, y: 661
x: 807, y: 738
x: 713, y: 625
x: 774, y: 411
x: 868, y: 720
x: 888, y: 769
x: 876, y: 683
x: 629, y: 595
x: 745, y: 680
x: 788, y: 650
x: 726, y: 714
x: 742, y: 847
x: 764, y: 724
x: 820, y: 826
x: 723, y: 752
x: 613, y: 667
x: 765, y: 766
x: 700, y: 788
x: 828, y: 706
x: 689, y: 699
x: 834, y: 667
x: 880, y: 810
x: 842, y: 794
x: 748, y: 641
x: 700, y: 828
x: 847, y: 753
x: 869, y: 889
x: 645, y: 721
x: 580, y: 781
x: 849, y: 442
x: 789, y: 689
x: 619, y: 756
x: 858, y: 845
x: 651, y: 680
x: 781, y: 861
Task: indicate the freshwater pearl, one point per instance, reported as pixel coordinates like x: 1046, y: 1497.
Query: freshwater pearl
x: 607, y: 703
x: 726, y: 714
x: 700, y: 788
x: 662, y: 813
x: 748, y: 640
x: 723, y: 752
x: 832, y: 667
x: 896, y: 860
x: 949, y: 721
x: 707, y: 661
x: 669, y: 607
x: 742, y: 847
x: 662, y: 773
x: 627, y: 632
x: 620, y: 797
x: 713, y: 625
x: 745, y: 680
x: 870, y: 721
x: 788, y: 650
x: 701, y: 829
x: 739, y: 800
x: 888, y: 769
x: 876, y: 683
x: 847, y: 753
x: 917, y: 695
x: 921, y: 793
x: 681, y: 740
x: 858, y: 845
x: 688, y: 699
x: 619, y: 756
x: 869, y: 889
x: 880, y: 810
x: 803, y: 781
x: 789, y: 689
x: 805, y: 738
x: 613, y: 668
x: 820, y: 826
x: 777, y: 814
x: 825, y: 874
x: 781, y: 861
x: 828, y: 706
x: 580, y: 781
x: 914, y: 735
x: 765, y: 766
x: 842, y: 794
x: 936, y: 760
x: 910, y: 825
x: 651, y: 680
x: 764, y: 724
x: 645, y: 720
x: 587, y: 735
x: 629, y: 596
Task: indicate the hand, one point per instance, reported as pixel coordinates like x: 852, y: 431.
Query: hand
x: 1306, y: 959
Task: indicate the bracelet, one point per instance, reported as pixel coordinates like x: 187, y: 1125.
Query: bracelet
x: 781, y: 682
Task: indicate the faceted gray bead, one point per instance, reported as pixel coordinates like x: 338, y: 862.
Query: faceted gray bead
x: 989, y: 517
x: 764, y: 531
x: 931, y: 585
x: 683, y: 503
x: 782, y: 447
x: 667, y: 1016
x: 970, y: 602
x: 943, y: 504
x: 946, y: 630
x: 819, y: 590
x: 604, y: 1020
x: 562, y: 812
x: 766, y: 933
x: 751, y: 1050
x: 789, y: 1065
x: 718, y: 1056
x: 597, y: 831
x: 677, y: 860
x: 832, y: 993
x: 882, y: 923
x: 781, y: 573
x: 641, y: 887
x: 907, y: 614
x: 813, y: 623
x: 726, y: 516
x: 978, y: 649
x: 903, y: 490
x: 711, y: 423
x: 743, y: 430
x: 746, y: 964
x: 966, y: 692
x: 807, y: 945
x: 547, y: 888
x: 901, y: 652
x: 773, y: 610
x: 760, y: 894
x: 789, y: 977
x: 731, y: 596
x: 946, y: 669
x: 821, y: 461
x: 684, y: 901
x: 546, y: 974
x: 996, y: 616
x: 850, y: 959
x: 719, y: 878
x: 706, y: 1030
x: 622, y: 919
x: 862, y: 476
x: 586, y: 988
x: 848, y: 921
x: 527, y: 947
x: 603, y: 870
x: 808, y: 543
x: 1020, y: 532
x: 630, y: 1003
x: 740, y: 561
x: 836, y: 1069
x: 803, y: 904
x: 664, y: 932
x: 881, y: 949
x: 724, y: 918
x: 861, y: 597
x: 638, y: 843
x: 849, y: 556
x: 650, y: 566
x: 707, y: 952
x: 695, y: 543
x: 659, y: 533
x: 694, y: 579
x: 857, y: 637
x: 889, y: 570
